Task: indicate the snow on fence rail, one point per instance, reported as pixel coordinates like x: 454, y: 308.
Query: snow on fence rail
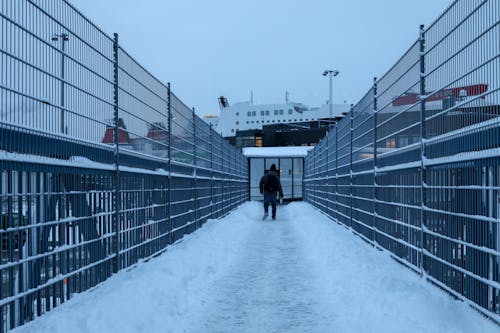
x: 101, y: 164
x: 414, y: 167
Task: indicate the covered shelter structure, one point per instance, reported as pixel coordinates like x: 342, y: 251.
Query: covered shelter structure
x: 288, y: 160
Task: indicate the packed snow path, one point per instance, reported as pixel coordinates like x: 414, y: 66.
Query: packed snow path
x: 301, y: 273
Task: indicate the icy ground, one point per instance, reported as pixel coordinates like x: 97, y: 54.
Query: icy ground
x: 301, y: 273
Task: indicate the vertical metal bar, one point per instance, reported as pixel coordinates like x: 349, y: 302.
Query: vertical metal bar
x: 39, y: 202
x: 63, y: 43
x: 350, y: 163
x: 491, y: 183
x: 303, y: 180
x: 422, y: 147
x: 336, y: 171
x: 20, y: 223
x: 222, y: 175
x: 315, y: 175
x: 169, y: 166
x: 248, y: 164
x: 293, y: 178
x: 375, y: 107
x: 30, y: 241
x: 195, y: 183
x: 234, y: 185
x: 116, y: 156
x: 3, y: 323
x: 326, y: 170
x: 10, y: 247
x: 56, y: 182
x: 211, y: 172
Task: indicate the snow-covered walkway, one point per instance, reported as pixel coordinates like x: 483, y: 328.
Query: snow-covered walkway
x: 301, y: 273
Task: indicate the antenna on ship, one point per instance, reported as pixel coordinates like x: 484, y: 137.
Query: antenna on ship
x: 286, y: 97
x: 251, y: 96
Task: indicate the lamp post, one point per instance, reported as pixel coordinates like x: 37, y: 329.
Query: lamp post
x: 64, y: 38
x: 330, y: 73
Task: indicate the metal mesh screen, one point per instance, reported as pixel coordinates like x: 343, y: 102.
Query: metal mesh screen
x: 414, y: 167
x: 101, y: 165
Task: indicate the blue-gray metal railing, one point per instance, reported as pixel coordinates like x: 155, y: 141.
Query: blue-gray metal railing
x: 101, y: 164
x: 415, y: 167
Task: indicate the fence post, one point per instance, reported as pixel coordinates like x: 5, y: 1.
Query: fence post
x: 337, y: 172
x: 326, y: 172
x: 195, y: 183
x: 422, y: 146
x: 375, y: 107
x: 231, y: 181
x: 245, y: 171
x: 211, y: 173
x: 169, y: 166
x: 350, y: 164
x: 315, y: 172
x: 233, y: 185
x: 222, y: 175
x: 116, y: 161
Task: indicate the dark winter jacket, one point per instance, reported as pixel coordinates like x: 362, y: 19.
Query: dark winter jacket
x: 264, y: 179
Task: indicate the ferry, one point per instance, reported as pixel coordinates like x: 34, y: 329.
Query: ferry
x: 244, y: 116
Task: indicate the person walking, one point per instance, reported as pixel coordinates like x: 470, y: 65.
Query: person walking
x: 270, y: 186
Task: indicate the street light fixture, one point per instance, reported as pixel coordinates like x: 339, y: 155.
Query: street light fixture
x: 330, y: 73
x: 64, y: 38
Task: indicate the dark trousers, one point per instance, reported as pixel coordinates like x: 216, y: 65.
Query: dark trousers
x: 270, y: 198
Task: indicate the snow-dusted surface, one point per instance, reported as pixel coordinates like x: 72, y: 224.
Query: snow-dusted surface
x: 277, y: 151
x: 302, y: 273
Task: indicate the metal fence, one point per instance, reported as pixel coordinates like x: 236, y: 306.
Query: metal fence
x: 414, y: 168
x: 101, y: 164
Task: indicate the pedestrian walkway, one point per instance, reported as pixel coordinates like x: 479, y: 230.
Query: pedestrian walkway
x: 300, y: 273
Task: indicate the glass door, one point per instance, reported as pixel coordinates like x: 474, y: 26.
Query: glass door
x: 286, y: 177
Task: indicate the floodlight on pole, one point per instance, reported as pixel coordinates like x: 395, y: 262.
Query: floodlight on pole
x: 330, y: 73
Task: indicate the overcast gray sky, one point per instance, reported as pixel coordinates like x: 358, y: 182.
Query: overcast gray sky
x: 229, y: 47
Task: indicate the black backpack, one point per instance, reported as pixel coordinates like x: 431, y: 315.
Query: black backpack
x: 271, y: 183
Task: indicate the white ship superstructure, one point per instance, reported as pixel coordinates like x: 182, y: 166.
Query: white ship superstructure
x: 248, y: 116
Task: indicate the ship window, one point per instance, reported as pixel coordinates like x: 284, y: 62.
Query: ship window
x: 262, y: 112
x: 281, y: 112
x: 232, y: 130
x: 268, y: 121
x: 247, y: 121
x: 273, y: 121
x: 300, y: 119
x: 252, y: 121
x: 276, y: 112
x: 307, y: 119
x: 290, y: 111
x: 267, y: 112
x: 253, y: 113
x: 249, y: 113
x: 237, y: 113
x: 237, y: 123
